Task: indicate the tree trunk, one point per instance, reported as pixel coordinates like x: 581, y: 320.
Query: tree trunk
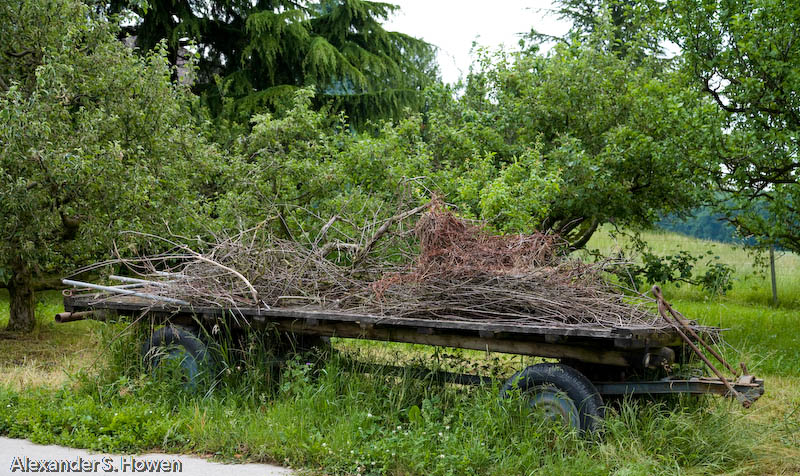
x: 585, y: 234
x: 20, y: 290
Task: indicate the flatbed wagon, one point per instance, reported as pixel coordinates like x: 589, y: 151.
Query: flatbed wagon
x: 593, y: 362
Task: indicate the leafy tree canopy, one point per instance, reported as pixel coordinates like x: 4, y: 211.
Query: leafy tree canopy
x: 94, y: 139
x: 745, y: 55
x: 297, y: 170
x: 629, y: 28
x: 254, y: 54
x: 563, y: 142
x: 614, y: 133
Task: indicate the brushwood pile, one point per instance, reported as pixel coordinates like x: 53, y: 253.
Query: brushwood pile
x: 459, y: 271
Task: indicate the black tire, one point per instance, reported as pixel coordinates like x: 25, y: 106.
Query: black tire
x: 562, y: 392
x: 182, y: 345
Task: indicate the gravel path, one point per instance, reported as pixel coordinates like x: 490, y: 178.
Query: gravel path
x: 24, y: 457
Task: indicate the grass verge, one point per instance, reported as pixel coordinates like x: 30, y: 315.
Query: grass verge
x: 82, y: 384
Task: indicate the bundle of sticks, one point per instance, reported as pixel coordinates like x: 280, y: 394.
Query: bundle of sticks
x: 459, y: 272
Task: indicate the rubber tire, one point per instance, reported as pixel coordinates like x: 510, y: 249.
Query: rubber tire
x: 174, y: 341
x: 570, y: 383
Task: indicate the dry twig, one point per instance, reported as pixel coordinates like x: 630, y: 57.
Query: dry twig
x: 460, y: 272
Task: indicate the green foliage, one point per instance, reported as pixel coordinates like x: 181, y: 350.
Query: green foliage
x: 302, y: 168
x: 676, y: 268
x: 520, y: 191
x: 298, y: 170
x: 628, y: 28
x: 339, y: 420
x: 253, y: 55
x: 610, y: 136
x: 679, y: 267
x: 518, y: 149
x: 717, y: 278
x: 744, y: 55
x: 666, y: 269
x: 95, y: 139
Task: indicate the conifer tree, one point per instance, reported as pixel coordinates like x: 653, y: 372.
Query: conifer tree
x: 254, y: 54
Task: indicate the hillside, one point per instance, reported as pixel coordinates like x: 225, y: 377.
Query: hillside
x: 751, y: 278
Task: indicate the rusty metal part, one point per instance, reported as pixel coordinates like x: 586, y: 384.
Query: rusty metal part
x: 663, y: 306
x: 750, y: 387
x: 685, y: 324
x: 63, y: 317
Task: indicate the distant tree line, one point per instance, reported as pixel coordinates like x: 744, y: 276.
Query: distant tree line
x: 706, y: 224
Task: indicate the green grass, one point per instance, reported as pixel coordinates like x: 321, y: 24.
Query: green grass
x: 82, y: 384
x: 343, y: 422
x: 52, y: 353
x: 759, y: 333
x: 752, y: 284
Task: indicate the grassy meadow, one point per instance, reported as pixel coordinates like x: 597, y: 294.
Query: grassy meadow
x: 81, y: 384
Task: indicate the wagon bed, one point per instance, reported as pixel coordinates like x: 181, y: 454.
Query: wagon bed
x: 612, y: 358
x: 618, y: 346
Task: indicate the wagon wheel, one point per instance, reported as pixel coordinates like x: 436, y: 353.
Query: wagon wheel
x: 562, y: 393
x: 177, y: 349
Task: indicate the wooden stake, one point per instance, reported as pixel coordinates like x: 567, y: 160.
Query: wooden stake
x: 772, y: 274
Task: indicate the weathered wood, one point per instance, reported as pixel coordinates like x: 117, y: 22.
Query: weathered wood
x: 508, y: 346
x: 631, y: 337
x: 614, y: 346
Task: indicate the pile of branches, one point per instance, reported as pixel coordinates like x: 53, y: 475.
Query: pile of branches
x: 459, y: 272
x: 462, y: 272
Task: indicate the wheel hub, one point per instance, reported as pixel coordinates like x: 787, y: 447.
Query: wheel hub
x: 554, y: 404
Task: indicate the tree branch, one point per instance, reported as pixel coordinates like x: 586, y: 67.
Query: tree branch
x: 586, y: 235
x: 239, y: 275
x: 364, y: 251
x: 19, y: 54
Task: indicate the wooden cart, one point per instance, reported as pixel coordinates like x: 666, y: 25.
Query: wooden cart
x: 592, y: 362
